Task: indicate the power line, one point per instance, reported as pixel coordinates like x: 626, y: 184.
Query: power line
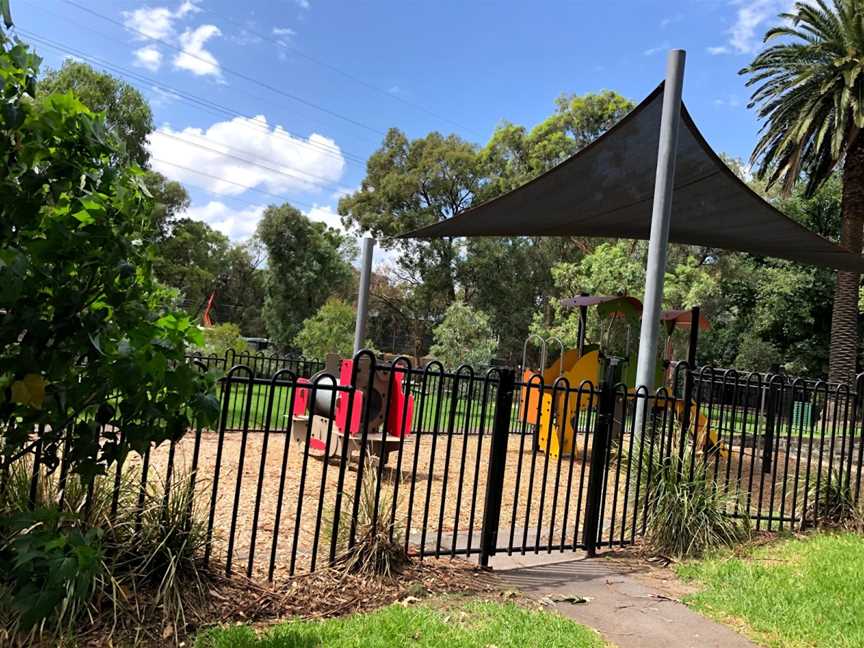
x: 322, y: 183
x: 233, y: 72
x: 339, y: 71
x: 191, y: 99
x: 232, y: 182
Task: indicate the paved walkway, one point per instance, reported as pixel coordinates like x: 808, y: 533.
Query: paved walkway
x: 627, y: 612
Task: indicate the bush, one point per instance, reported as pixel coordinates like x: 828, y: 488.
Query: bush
x: 330, y: 330
x: 221, y: 338
x: 379, y: 546
x: 833, y: 503
x: 61, y: 569
x: 687, y: 511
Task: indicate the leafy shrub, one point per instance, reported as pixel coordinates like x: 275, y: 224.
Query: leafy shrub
x: 832, y: 502
x: 379, y: 546
x: 82, y: 321
x: 330, y: 330
x: 221, y: 338
x: 687, y: 511
x: 62, y: 568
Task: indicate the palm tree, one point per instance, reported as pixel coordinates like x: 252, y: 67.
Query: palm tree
x: 810, y: 94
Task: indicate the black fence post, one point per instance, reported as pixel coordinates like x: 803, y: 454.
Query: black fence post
x: 599, y: 447
x: 497, y: 464
x: 770, y: 421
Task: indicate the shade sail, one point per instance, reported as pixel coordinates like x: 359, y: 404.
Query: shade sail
x: 606, y: 190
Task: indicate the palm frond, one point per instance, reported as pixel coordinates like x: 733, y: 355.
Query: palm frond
x: 808, y: 89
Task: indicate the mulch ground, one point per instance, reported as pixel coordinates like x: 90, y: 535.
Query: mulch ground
x: 319, y: 595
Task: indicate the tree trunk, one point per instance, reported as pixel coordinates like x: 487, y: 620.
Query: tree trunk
x: 844, y: 318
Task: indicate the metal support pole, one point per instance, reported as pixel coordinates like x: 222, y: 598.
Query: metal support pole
x: 661, y: 216
x: 363, y: 293
x: 695, y: 315
x: 583, y: 325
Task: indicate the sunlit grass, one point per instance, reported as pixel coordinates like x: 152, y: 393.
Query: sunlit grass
x: 790, y: 594
x: 472, y: 624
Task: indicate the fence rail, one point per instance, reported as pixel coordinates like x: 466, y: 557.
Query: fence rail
x: 478, y: 463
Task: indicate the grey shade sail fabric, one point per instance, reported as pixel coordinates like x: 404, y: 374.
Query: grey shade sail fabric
x: 606, y: 190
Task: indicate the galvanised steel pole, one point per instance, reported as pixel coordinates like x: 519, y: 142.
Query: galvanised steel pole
x: 661, y: 216
x: 363, y: 293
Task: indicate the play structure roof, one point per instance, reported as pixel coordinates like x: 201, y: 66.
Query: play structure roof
x: 606, y: 190
x: 684, y: 318
x: 608, y: 305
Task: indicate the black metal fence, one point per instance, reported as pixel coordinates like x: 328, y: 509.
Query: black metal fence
x: 263, y: 364
x: 474, y: 464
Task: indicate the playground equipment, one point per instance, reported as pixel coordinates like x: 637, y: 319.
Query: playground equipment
x: 704, y: 434
x: 337, y: 412
x: 556, y: 424
x: 555, y: 413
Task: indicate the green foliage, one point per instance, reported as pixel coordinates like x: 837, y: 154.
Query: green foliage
x: 307, y: 263
x: 687, y: 510
x: 76, y: 289
x: 190, y: 258
x: 445, y: 624
x: 756, y: 354
x: 808, y: 86
x: 802, y: 591
x: 828, y: 500
x: 221, y: 338
x: 127, y: 113
x: 59, y: 569
x: 464, y: 336
x: 514, y: 154
x: 50, y: 567
x: 330, y: 330
x: 619, y: 268
x: 379, y: 544
x: 408, y: 184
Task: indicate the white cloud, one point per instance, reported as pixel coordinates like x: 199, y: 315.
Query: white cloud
x: 148, y: 57
x: 303, y: 4
x: 194, y: 57
x: 161, y: 97
x: 156, y: 22
x: 236, y: 224
x: 668, y: 20
x: 293, y: 164
x: 327, y: 215
x: 283, y: 31
x: 729, y: 102
x: 752, y: 19
x: 240, y: 224
x: 662, y: 47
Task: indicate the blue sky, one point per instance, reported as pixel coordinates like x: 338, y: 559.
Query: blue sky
x: 305, y: 89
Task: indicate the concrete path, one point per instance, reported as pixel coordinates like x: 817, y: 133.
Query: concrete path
x: 627, y: 612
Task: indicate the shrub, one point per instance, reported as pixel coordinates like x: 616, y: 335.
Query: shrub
x: 221, y: 338
x: 379, y: 546
x: 687, y: 511
x: 832, y: 502
x: 330, y: 330
x: 61, y: 569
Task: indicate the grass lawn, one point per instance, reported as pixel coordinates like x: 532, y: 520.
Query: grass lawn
x: 431, y: 624
x: 796, y: 592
